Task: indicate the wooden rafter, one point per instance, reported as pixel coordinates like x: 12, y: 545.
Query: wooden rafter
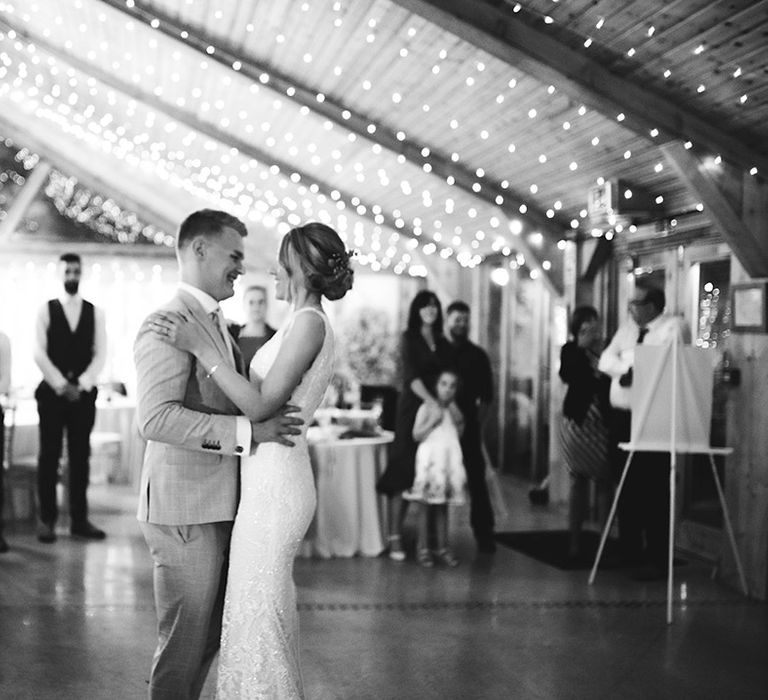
x: 723, y: 210
x: 192, y: 122
x: 497, y: 30
x: 183, y: 117
x: 601, y: 253
x: 442, y: 166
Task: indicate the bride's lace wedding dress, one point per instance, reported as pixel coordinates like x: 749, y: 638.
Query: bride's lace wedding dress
x: 259, y: 655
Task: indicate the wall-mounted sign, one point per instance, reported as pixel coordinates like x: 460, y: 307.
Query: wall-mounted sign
x: 748, y: 303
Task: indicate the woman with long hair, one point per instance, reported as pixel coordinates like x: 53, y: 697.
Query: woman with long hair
x: 424, y: 351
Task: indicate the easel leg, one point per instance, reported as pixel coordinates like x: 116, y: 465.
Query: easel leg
x: 609, y: 521
x: 671, y: 551
x: 728, y: 528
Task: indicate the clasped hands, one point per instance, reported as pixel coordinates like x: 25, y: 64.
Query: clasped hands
x: 71, y: 392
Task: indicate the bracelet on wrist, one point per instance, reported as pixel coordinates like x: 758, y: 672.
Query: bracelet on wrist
x: 212, y: 371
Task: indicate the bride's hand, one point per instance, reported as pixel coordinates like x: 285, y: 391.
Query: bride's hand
x: 175, y: 329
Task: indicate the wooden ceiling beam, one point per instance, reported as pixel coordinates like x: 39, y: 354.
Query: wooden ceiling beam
x: 716, y: 191
x: 339, y: 113
x: 601, y: 254
x: 496, y: 29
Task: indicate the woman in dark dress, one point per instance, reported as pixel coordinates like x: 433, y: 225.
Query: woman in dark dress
x: 424, y: 352
x: 255, y: 331
x: 584, y: 430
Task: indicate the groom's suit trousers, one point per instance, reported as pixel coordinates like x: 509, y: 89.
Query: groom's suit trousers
x: 187, y: 500
x: 190, y: 566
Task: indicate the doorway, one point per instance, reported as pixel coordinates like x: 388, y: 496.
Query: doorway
x: 712, y: 282
x: 518, y: 334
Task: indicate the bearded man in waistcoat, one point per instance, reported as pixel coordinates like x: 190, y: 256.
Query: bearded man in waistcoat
x: 70, y: 350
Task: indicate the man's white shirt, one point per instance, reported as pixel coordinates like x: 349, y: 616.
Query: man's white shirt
x: 73, y: 307
x: 619, y: 356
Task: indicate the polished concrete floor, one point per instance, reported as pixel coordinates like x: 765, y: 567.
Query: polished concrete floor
x: 77, y: 621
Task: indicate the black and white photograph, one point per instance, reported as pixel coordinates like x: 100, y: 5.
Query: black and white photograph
x: 383, y: 349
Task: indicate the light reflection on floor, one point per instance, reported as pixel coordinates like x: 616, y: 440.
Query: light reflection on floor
x: 77, y: 621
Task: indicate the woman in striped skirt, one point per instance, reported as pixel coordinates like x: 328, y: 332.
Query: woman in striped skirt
x: 583, y: 429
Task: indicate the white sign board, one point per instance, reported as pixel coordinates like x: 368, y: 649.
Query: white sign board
x: 658, y: 386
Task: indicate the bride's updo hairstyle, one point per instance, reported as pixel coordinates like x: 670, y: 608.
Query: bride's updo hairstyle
x: 323, y: 258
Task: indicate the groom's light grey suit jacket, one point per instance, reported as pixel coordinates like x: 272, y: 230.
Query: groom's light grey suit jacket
x: 190, y: 469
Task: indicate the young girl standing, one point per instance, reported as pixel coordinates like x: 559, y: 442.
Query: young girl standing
x: 440, y: 476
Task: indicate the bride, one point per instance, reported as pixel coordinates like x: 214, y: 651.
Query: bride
x: 259, y: 655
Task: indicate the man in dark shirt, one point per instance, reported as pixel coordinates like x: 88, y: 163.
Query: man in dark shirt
x: 473, y: 398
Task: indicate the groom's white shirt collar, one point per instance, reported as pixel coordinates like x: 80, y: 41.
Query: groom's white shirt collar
x: 208, y: 303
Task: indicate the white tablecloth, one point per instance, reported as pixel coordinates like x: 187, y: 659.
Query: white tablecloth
x: 349, y: 517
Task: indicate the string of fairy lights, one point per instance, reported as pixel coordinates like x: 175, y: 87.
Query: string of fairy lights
x: 639, y: 46
x: 209, y: 182
x: 78, y: 203
x: 182, y: 165
x: 103, y: 215
x: 467, y: 258
x: 638, y: 49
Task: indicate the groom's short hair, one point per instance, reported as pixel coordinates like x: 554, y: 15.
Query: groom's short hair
x: 207, y: 222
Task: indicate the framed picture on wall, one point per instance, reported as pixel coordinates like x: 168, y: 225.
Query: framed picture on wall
x: 748, y: 307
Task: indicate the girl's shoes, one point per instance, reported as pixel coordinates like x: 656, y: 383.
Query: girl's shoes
x: 396, y: 551
x: 424, y: 558
x: 445, y: 556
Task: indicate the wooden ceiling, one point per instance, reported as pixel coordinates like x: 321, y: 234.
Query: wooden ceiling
x: 427, y: 132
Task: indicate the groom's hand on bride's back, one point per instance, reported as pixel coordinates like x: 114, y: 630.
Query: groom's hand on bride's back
x: 278, y: 428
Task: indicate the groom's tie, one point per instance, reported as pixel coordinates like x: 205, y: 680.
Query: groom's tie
x: 217, y: 321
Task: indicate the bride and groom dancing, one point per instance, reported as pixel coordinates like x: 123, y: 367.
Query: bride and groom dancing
x: 214, y: 437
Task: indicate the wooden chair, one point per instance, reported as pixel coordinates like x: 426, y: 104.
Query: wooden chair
x: 20, y: 474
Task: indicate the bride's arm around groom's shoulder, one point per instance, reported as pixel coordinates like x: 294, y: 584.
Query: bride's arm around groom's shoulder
x: 259, y: 400
x: 175, y: 400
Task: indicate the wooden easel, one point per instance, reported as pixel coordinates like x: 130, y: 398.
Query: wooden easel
x: 684, y: 437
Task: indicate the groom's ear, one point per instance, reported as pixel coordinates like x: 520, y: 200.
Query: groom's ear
x: 199, y: 246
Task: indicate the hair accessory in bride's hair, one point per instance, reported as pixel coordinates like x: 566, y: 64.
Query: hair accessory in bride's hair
x: 340, y: 261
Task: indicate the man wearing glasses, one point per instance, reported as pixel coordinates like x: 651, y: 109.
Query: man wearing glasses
x: 644, y: 503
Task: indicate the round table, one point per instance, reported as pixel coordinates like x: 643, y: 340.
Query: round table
x: 349, y: 516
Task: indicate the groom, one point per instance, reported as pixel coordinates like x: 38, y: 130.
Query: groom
x: 189, y: 479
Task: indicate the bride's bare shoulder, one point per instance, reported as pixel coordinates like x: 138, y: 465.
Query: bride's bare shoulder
x: 307, y: 324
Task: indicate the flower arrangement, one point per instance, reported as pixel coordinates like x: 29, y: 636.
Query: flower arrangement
x: 369, y: 347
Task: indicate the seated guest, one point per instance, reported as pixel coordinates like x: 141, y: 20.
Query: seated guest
x: 255, y: 332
